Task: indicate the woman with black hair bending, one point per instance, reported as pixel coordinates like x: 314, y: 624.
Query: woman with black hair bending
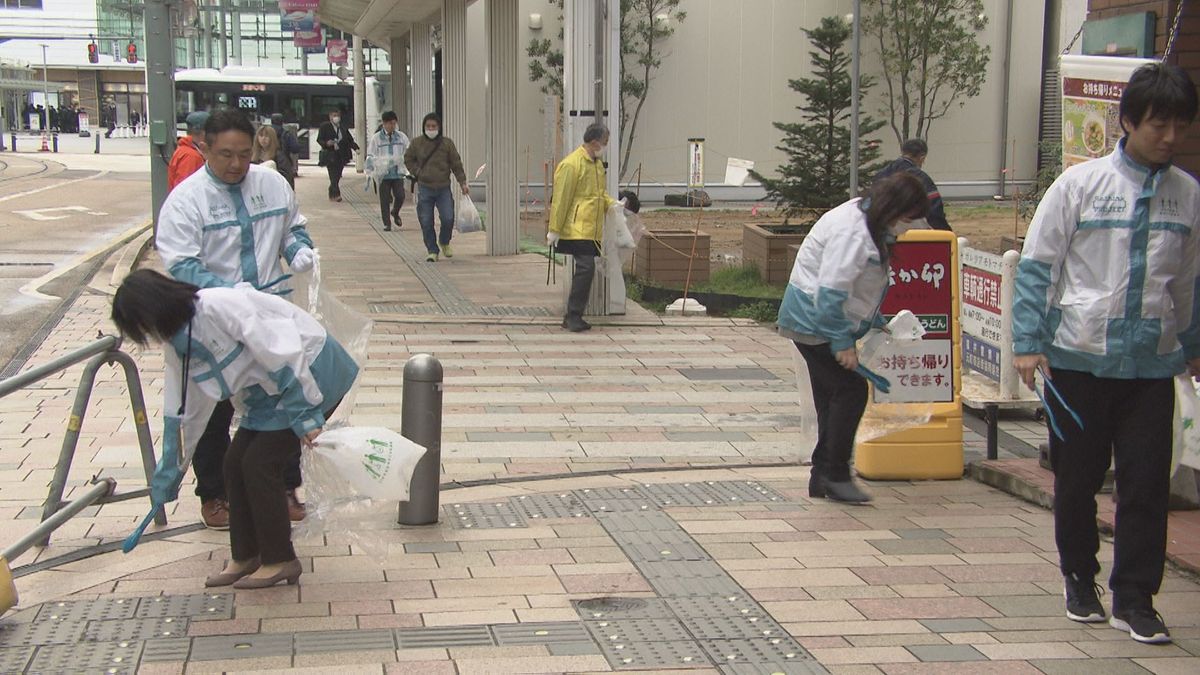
x: 286, y: 375
x: 833, y: 297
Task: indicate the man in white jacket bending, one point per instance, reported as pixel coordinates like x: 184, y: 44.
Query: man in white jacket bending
x: 225, y: 225
x: 1106, y: 307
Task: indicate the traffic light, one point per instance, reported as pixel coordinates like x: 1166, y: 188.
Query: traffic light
x: 131, y: 53
x: 93, y: 53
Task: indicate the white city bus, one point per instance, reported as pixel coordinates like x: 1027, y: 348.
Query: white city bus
x: 305, y: 100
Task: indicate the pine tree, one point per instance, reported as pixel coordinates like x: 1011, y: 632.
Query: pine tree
x: 816, y: 175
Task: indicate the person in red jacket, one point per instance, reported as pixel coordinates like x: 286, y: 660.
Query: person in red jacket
x: 188, y: 157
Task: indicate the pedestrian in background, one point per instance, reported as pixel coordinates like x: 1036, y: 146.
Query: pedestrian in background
x: 224, y: 226
x: 385, y: 161
x: 577, y: 209
x: 287, y: 375
x: 431, y: 159
x: 266, y: 151
x: 288, y: 160
x: 337, y: 149
x: 189, y: 154
x: 913, y: 154
x: 1106, y: 309
x: 836, y: 288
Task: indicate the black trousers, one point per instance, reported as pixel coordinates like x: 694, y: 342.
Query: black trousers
x: 258, y: 513
x: 1129, y: 421
x: 581, y: 284
x: 390, y: 189
x: 209, y: 458
x: 840, y: 397
x: 335, y: 178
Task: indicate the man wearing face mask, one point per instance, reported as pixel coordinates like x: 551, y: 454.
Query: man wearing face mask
x: 337, y: 146
x: 431, y: 159
x: 577, y: 217
x: 228, y: 224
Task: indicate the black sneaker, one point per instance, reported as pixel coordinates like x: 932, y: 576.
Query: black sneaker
x: 1083, y: 599
x: 1142, y: 622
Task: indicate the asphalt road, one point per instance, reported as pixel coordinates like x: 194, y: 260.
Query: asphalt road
x: 51, y: 217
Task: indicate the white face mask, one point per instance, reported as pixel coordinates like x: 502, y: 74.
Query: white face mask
x: 431, y: 135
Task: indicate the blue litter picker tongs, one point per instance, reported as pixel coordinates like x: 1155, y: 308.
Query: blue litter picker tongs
x: 881, y: 383
x: 1049, y: 386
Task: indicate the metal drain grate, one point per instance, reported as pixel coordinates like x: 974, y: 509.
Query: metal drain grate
x: 741, y: 627
x: 486, y: 515
x: 87, y: 657
x: 14, y: 660
x: 565, y: 505
x: 104, y: 609
x: 659, y: 546
x: 594, y: 609
x: 42, y: 633
x: 733, y: 491
x: 682, y: 494
x: 611, y: 493
x: 620, y: 631
x: 764, y: 651
x: 540, y: 633
x: 136, y: 629
x: 250, y: 646
x: 443, y: 637
x: 651, y: 521
x: 791, y: 668
x: 345, y: 641
x: 169, y: 649
x: 737, y: 604
x: 655, y: 655
x: 196, y: 607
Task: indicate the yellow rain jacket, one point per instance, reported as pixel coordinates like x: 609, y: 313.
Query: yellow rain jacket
x: 579, y: 203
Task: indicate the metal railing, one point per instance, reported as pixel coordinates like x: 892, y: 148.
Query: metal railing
x: 104, y: 351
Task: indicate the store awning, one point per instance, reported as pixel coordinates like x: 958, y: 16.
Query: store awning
x: 377, y: 20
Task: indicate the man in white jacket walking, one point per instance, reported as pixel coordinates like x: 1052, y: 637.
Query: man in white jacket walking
x: 1106, y: 308
x: 226, y: 225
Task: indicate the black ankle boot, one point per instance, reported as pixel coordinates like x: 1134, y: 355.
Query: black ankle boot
x: 844, y: 491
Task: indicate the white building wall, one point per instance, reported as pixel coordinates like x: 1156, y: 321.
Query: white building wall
x: 73, y: 19
x: 724, y: 78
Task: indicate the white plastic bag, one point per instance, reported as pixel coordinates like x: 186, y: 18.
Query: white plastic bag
x: 1186, y: 450
x: 467, y: 219
x: 616, y: 230
x: 882, y: 419
x: 371, y: 462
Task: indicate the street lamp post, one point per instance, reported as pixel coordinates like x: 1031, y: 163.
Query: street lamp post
x: 45, y: 92
x: 855, y: 47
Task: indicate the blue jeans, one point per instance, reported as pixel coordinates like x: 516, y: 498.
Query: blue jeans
x: 443, y: 199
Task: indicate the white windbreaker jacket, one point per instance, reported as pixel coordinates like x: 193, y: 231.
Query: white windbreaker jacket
x: 385, y: 155
x: 214, y: 234
x: 275, y: 361
x: 1107, y: 279
x: 838, y: 280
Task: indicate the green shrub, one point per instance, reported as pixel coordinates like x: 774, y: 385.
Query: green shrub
x: 744, y: 281
x: 762, y: 312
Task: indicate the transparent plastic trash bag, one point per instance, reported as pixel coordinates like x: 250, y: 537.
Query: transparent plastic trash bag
x: 467, y: 219
x: 882, y: 419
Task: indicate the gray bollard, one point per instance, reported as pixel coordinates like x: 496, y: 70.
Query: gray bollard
x: 97, y: 145
x: 421, y: 423
x: 54, y: 140
x: 13, y: 138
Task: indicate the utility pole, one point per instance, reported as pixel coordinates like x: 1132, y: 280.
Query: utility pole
x: 855, y: 48
x: 224, y: 28
x: 360, y: 101
x: 160, y: 91
x: 45, y: 94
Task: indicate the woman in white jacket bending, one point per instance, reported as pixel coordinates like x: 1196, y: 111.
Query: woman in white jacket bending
x: 285, y: 375
x: 838, y: 283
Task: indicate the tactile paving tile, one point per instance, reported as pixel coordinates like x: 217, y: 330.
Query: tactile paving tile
x: 659, y: 546
x: 195, y: 607
x: 444, y: 636
x: 687, y: 569
x: 651, y: 521
x: 735, y: 604
x: 168, y: 649
x: 611, y: 493
x: 682, y: 494
x: 621, y: 631
x: 564, y: 505
x: 14, y: 660
x: 655, y: 655
x: 744, y: 627
x: 762, y: 651
x: 776, y: 668
x: 87, y: 657
x: 249, y: 646
x: 103, y: 609
x: 733, y: 491
x: 484, y: 515
x: 136, y: 629
x: 669, y: 587
x: 540, y: 633
x: 601, y: 609
x: 638, y: 504
x: 344, y: 641
x: 41, y: 633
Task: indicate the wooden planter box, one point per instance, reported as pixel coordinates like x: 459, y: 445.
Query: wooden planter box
x: 766, y: 247
x: 662, y: 256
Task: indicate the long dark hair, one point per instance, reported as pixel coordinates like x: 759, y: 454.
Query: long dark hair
x: 149, y: 305
x: 900, y: 195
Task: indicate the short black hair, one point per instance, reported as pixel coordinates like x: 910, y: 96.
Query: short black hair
x: 632, y: 203
x: 226, y: 119
x: 595, y: 132
x: 914, y: 147
x: 150, y: 305
x: 1160, y: 90
x: 431, y: 116
x: 389, y: 116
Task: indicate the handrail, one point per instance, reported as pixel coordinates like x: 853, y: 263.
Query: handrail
x: 103, y: 344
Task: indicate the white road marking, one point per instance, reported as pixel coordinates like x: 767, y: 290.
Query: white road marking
x: 50, y: 187
x: 30, y: 289
x: 43, y: 214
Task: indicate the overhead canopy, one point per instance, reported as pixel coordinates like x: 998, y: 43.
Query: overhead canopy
x: 377, y: 20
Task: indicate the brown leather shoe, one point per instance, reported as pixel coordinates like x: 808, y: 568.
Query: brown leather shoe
x: 296, y: 510
x: 290, y: 572
x: 215, y: 514
x: 227, y: 579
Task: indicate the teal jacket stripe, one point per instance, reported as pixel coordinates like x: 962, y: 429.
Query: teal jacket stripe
x: 1030, y: 307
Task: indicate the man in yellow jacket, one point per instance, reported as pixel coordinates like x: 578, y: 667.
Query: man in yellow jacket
x: 577, y: 212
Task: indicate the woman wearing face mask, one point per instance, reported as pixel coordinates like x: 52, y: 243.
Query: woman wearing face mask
x: 431, y: 158
x: 577, y: 217
x: 837, y: 285
x: 337, y: 146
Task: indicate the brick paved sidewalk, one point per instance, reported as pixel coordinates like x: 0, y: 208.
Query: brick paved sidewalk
x: 636, y: 462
